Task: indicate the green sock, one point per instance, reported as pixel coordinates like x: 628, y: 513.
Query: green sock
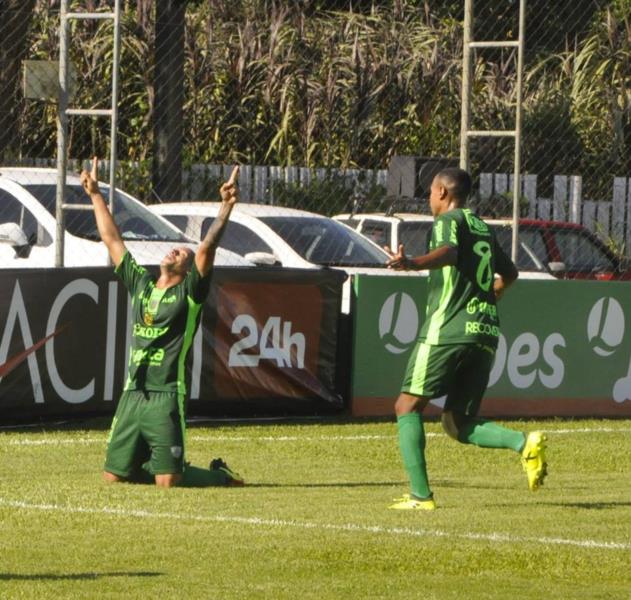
x: 412, y: 445
x: 487, y: 434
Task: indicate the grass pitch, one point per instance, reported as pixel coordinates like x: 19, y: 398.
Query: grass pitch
x: 313, y: 520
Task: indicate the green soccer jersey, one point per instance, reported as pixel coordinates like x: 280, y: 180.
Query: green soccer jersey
x: 461, y: 301
x: 163, y: 324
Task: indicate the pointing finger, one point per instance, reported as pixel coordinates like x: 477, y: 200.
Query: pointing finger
x: 95, y: 168
x: 234, y: 175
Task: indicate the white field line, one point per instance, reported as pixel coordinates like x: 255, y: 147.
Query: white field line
x: 54, y: 441
x: 493, y: 537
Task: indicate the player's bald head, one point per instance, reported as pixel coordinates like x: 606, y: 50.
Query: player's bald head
x: 457, y: 182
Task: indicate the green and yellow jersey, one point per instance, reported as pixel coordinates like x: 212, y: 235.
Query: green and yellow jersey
x: 461, y: 305
x: 163, y: 323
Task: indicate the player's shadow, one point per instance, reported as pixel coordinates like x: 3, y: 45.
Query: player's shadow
x: 356, y: 484
x: 73, y: 576
x: 338, y: 484
x: 580, y: 505
x: 590, y: 505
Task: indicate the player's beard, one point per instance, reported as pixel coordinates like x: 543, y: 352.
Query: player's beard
x: 173, y: 268
x: 169, y: 268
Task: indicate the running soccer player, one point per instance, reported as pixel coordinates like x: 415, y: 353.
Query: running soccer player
x: 148, y: 430
x: 456, y: 346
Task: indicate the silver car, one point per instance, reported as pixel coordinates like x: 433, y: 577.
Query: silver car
x: 284, y: 236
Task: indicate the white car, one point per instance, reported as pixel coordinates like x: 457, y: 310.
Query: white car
x: 413, y: 230
x: 28, y: 225
x: 283, y: 236
x: 276, y: 235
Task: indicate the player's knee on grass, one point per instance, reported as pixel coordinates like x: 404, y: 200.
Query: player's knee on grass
x: 111, y: 478
x: 168, y: 480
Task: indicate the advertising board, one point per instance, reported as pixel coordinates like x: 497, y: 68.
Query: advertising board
x: 266, y: 336
x: 564, y: 348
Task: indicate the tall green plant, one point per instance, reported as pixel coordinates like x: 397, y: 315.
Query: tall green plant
x: 321, y: 84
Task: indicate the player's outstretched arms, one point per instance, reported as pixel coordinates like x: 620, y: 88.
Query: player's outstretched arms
x: 108, y: 230
x: 205, y: 255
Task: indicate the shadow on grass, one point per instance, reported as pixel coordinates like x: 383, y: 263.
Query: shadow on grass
x: 359, y: 484
x: 196, y: 477
x: 581, y: 505
x: 74, y: 576
x: 590, y: 505
x: 339, y: 484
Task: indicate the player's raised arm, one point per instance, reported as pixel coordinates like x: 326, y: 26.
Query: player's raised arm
x: 108, y: 230
x: 205, y: 255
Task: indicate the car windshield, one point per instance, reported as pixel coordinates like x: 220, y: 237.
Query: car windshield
x: 415, y: 237
x: 579, y: 252
x: 527, y: 257
x: 135, y: 221
x: 326, y: 242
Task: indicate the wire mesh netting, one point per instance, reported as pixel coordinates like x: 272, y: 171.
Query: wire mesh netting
x: 339, y: 108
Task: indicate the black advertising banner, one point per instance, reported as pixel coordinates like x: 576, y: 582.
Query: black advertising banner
x: 268, y: 335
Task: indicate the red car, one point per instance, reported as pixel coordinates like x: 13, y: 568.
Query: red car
x: 564, y: 250
x: 568, y: 250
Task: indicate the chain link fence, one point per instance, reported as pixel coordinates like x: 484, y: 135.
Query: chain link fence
x: 319, y: 101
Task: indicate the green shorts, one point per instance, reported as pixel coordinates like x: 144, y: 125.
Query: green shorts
x: 147, y: 427
x: 459, y: 371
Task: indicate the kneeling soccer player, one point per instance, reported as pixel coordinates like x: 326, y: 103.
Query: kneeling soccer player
x: 148, y: 430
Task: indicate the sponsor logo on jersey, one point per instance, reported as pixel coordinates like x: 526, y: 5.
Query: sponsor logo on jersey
x: 149, y: 333
x: 486, y: 308
x: 474, y: 327
x: 476, y: 225
x: 150, y: 356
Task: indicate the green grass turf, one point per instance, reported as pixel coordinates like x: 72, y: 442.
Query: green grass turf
x: 313, y: 521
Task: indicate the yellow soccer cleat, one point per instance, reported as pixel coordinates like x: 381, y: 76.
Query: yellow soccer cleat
x: 410, y: 503
x: 533, y: 459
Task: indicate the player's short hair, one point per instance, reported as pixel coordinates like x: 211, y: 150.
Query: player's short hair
x: 457, y: 181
